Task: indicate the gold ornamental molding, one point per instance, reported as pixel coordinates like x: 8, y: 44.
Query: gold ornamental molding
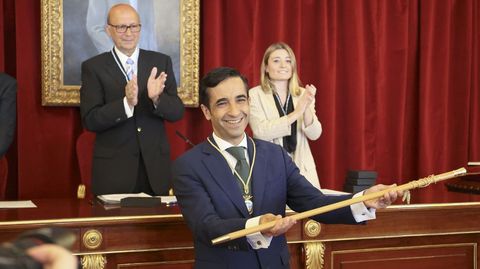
x: 314, y: 255
x: 312, y: 228
x: 81, y: 191
x: 92, y: 239
x: 56, y: 93
x: 115, y: 219
x: 94, y: 261
x: 189, y: 51
x: 53, y: 90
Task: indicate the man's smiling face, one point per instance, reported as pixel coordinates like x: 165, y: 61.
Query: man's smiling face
x: 228, y: 109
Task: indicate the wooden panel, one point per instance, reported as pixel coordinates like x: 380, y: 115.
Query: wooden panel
x: 296, y: 256
x: 406, y: 227
x: 187, y: 265
x: 410, y: 220
x: 165, y: 259
x: 447, y: 256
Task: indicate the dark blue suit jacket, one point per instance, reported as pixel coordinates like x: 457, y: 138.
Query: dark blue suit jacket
x: 8, y: 111
x: 212, y: 204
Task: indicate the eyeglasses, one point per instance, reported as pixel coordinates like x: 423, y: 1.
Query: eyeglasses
x: 134, y: 28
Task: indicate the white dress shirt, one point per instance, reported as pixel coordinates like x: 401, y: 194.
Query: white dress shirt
x: 123, y: 60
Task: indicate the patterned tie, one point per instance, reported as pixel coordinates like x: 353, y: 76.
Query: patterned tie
x: 129, y: 68
x: 243, y: 169
x: 242, y: 166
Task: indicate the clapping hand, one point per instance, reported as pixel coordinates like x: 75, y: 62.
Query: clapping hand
x: 155, y: 85
x: 307, y: 97
x: 131, y: 92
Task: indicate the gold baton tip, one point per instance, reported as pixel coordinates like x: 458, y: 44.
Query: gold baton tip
x: 221, y: 239
x: 460, y: 171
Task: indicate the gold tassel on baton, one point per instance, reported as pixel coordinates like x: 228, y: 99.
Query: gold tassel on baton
x: 420, y: 183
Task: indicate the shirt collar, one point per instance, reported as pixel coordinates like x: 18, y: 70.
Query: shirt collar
x: 223, y: 145
x: 123, y: 57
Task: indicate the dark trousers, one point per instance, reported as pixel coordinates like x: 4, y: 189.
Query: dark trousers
x: 143, y: 184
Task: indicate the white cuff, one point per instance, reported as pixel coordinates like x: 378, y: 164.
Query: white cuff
x: 361, y: 212
x: 257, y: 240
x: 128, y: 111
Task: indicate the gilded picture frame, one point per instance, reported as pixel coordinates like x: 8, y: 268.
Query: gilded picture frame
x: 57, y: 91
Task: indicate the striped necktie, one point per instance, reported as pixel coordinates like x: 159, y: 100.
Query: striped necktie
x: 129, y: 68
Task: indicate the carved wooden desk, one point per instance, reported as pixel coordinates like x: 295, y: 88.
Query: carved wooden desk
x: 428, y: 236
x: 110, y: 238
x: 415, y: 236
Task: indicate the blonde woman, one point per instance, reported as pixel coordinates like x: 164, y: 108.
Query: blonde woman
x: 283, y: 112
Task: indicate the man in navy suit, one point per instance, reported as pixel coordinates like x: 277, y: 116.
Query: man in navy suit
x: 8, y: 111
x: 215, y: 202
x: 127, y: 94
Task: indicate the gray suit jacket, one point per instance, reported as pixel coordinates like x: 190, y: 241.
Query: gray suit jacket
x: 119, y: 139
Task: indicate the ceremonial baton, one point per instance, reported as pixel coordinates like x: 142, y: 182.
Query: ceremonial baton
x: 420, y: 183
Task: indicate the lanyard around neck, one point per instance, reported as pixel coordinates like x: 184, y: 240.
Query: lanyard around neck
x: 246, y: 189
x: 120, y: 65
x: 284, y: 107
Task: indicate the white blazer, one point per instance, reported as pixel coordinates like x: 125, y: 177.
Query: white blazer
x: 267, y: 124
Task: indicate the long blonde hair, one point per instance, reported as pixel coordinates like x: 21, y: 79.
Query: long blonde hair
x: 293, y: 83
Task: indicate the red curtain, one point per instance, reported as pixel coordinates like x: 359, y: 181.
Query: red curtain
x: 398, y: 87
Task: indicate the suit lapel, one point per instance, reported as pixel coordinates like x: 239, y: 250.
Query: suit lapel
x: 115, y: 72
x: 143, y: 71
x: 258, y: 177
x: 272, y: 112
x: 221, y: 173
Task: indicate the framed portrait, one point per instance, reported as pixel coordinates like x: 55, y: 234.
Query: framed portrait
x: 73, y: 31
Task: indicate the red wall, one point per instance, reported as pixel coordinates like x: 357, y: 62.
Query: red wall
x: 398, y: 86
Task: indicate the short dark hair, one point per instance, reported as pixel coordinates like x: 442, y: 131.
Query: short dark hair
x: 213, y: 78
